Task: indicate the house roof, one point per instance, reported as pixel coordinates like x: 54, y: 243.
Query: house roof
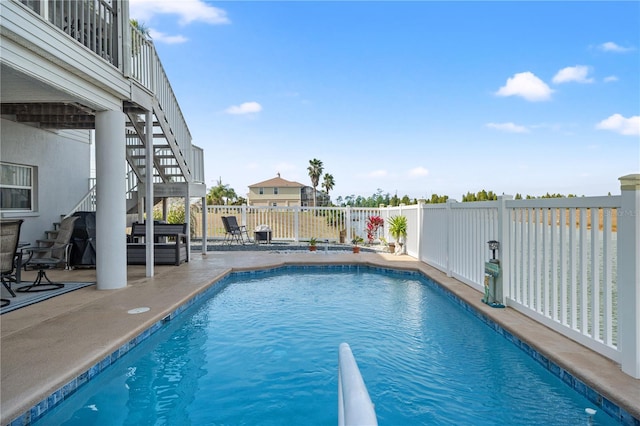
x: 277, y: 182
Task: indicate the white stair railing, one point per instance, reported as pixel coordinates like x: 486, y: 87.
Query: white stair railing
x: 86, y: 204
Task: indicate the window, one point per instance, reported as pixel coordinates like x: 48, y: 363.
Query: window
x: 261, y: 191
x: 16, y: 187
x: 275, y: 191
x: 32, y: 4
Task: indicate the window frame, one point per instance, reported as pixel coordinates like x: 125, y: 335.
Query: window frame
x: 31, y: 188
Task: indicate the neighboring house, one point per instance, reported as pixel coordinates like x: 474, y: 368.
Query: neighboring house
x: 277, y: 192
x: 281, y: 192
x: 75, y: 73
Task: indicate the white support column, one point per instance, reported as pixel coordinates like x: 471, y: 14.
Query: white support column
x: 165, y: 209
x: 187, y: 218
x: 148, y: 195
x: 141, y: 199
x: 111, y: 243
x: 204, y: 225
x: 629, y: 275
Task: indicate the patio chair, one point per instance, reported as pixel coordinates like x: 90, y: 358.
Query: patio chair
x: 9, y: 237
x: 54, y: 255
x: 233, y: 231
x: 241, y: 229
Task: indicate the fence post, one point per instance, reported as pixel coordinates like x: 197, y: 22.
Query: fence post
x: 449, y: 239
x: 296, y: 222
x: 205, y: 229
x: 629, y: 275
x: 420, y: 226
x: 243, y: 214
x: 504, y: 223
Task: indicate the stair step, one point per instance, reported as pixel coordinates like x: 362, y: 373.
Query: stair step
x: 52, y: 233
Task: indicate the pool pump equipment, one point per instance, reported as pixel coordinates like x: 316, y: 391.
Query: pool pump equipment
x: 491, y: 274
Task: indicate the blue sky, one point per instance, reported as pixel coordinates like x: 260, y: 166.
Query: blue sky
x: 411, y: 97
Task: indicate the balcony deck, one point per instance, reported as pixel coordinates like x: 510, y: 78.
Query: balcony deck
x: 46, y: 345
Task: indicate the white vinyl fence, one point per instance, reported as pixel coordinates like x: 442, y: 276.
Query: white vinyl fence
x: 558, y: 258
x: 295, y: 223
x: 562, y: 261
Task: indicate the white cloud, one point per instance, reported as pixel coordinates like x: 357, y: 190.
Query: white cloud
x: 619, y: 124
x: 579, y: 74
x: 377, y: 173
x: 418, y: 172
x: 508, y: 127
x: 157, y: 36
x: 526, y: 85
x: 613, y: 47
x: 188, y: 11
x: 244, y: 108
x: 611, y: 78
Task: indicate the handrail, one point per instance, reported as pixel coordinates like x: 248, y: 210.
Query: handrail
x: 86, y: 203
x: 147, y: 69
x: 354, y: 405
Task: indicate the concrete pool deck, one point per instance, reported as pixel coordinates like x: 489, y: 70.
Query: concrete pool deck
x: 44, y: 346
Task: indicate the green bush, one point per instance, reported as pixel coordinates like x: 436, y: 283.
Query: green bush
x: 176, y: 215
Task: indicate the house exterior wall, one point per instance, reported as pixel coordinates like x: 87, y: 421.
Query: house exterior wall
x: 286, y: 196
x: 58, y: 189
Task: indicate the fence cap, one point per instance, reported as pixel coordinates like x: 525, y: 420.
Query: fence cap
x: 630, y: 182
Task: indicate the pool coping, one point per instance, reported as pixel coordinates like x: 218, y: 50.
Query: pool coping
x: 616, y: 401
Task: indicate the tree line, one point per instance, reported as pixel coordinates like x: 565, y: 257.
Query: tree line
x: 381, y: 198
x: 222, y: 194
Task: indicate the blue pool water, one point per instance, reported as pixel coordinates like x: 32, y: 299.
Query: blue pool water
x: 263, y: 351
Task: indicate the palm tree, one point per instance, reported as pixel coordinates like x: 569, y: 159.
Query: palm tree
x: 328, y: 183
x: 221, y: 194
x: 315, y: 171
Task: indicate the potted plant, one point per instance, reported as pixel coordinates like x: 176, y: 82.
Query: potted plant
x: 387, y: 245
x: 355, y: 241
x: 398, y: 230
x: 313, y: 242
x: 373, y: 224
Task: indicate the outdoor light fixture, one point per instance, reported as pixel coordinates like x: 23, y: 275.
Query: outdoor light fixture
x: 493, y: 246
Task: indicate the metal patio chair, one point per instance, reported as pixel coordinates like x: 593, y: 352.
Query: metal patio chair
x: 233, y: 231
x: 51, y: 256
x: 9, y: 237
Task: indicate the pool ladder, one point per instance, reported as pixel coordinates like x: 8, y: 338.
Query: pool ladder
x: 354, y: 405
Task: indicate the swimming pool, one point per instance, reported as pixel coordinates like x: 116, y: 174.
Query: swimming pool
x: 264, y: 351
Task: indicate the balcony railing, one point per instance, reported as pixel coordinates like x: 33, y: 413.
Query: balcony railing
x: 96, y: 25
x: 92, y: 23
